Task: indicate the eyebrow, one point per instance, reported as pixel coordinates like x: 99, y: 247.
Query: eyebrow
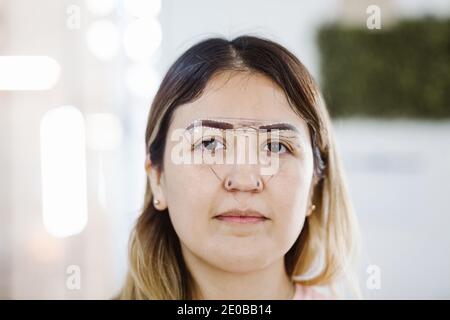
x: 225, y: 125
x: 210, y: 124
x: 280, y: 126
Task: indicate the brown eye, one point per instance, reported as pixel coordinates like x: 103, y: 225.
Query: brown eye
x: 211, y: 144
x: 276, y: 147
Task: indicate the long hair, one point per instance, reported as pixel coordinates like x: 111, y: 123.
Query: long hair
x: 324, y: 252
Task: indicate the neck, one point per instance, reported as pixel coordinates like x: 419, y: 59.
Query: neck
x: 271, y: 282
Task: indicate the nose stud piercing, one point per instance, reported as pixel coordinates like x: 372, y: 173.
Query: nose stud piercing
x: 229, y: 183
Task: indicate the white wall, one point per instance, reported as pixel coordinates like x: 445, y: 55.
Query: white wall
x: 399, y: 177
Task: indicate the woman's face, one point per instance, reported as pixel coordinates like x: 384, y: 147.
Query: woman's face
x: 196, y: 195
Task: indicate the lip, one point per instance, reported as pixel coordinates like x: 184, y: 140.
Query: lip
x: 241, y: 216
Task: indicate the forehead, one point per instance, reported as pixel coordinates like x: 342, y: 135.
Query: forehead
x: 237, y: 94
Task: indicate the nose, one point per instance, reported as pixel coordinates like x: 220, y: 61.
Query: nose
x: 242, y: 179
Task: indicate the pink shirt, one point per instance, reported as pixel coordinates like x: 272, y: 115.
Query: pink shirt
x: 307, y: 293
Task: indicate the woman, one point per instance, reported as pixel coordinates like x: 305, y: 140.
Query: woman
x: 216, y: 229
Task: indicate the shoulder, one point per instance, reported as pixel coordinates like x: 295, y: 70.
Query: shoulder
x: 309, y: 293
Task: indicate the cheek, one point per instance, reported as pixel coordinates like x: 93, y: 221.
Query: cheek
x: 289, y: 191
x: 189, y: 198
x: 292, y: 191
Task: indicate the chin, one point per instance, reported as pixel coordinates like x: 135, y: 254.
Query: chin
x: 242, y: 261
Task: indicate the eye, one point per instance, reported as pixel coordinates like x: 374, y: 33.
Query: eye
x: 276, y: 147
x: 211, y: 144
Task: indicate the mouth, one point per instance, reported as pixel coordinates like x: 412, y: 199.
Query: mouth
x: 241, y: 216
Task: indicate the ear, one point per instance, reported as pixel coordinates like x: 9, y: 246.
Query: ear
x: 154, y: 177
x: 310, y: 208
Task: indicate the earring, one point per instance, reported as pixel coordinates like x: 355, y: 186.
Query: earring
x: 312, y: 207
x: 156, y: 202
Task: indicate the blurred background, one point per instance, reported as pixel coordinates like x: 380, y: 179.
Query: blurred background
x: 76, y: 82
